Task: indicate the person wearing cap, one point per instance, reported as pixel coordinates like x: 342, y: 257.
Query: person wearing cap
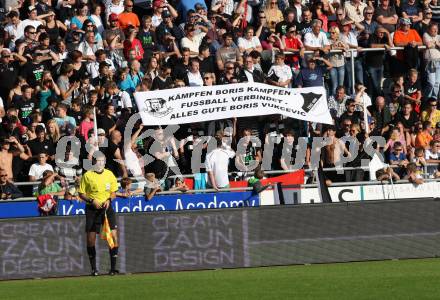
x: 128, y: 17
x: 161, y: 10
x: 33, y: 19
x: 313, y: 74
x: 114, y: 31
x: 167, y: 26
x: 405, y: 36
x: 386, y: 15
x: 410, y: 10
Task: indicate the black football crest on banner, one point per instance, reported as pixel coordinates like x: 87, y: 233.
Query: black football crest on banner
x: 310, y: 100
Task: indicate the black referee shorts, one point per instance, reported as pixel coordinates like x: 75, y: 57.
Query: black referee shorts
x: 95, y: 218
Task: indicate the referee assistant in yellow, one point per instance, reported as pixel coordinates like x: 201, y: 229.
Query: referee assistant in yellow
x: 97, y: 189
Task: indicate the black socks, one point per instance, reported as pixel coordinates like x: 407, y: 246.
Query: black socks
x: 91, y: 251
x: 113, y: 256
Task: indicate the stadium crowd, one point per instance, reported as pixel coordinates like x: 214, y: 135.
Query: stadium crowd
x: 61, y: 60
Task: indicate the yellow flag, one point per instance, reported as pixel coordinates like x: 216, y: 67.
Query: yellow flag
x: 106, y: 233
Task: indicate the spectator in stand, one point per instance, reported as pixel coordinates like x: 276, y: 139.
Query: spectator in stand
x: 8, y: 191
x: 217, y: 162
x: 227, y: 53
x: 431, y: 114
x: 152, y: 186
x: 374, y: 60
x: 312, y: 75
x: 316, y: 40
x: 289, y: 20
x: 405, y: 36
x: 53, y: 131
x: 432, y: 157
x: 423, y: 25
x: 128, y: 17
x: 413, y: 175
x: 369, y: 23
x: 163, y: 80
x: 411, y: 10
x: 249, y: 42
x: 354, y: 10
x: 133, y: 44
x: 192, y: 41
x: 295, y: 48
x: 249, y: 73
x: 82, y: 14
x: 424, y: 137
x: 63, y: 120
x: 41, y: 144
x: 306, y: 22
x: 412, y: 90
x: 431, y: 39
x: 386, y: 15
x: 37, y: 169
x: 337, y: 59
x: 11, y: 148
x: 193, y: 77
x: 333, y: 153
x: 48, y: 186
x: 397, y: 157
x: 229, y: 75
x: 280, y: 74
x: 381, y: 113
x: 273, y: 14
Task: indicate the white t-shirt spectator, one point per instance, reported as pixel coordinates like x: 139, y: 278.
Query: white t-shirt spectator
x: 246, y: 44
x: 194, y: 79
x: 217, y: 162
x: 311, y: 40
x: 194, y: 44
x: 282, y: 72
x: 37, y: 170
x: 34, y: 23
x: 16, y: 32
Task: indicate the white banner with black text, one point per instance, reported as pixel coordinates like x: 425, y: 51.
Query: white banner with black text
x: 207, y: 103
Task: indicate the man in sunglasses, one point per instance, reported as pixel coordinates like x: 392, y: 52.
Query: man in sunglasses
x: 8, y: 190
x: 128, y: 17
x: 10, y: 63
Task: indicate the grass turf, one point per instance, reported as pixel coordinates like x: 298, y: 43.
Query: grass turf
x: 406, y: 279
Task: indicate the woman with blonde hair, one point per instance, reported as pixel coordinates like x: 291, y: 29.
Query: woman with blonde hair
x: 53, y: 130
x: 273, y: 14
x: 337, y: 59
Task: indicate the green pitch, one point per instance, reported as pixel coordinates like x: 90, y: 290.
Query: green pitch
x: 408, y: 279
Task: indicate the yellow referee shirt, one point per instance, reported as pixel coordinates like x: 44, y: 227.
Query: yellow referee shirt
x: 98, y: 186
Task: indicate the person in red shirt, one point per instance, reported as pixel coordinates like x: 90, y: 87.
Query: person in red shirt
x: 132, y: 43
x: 293, y: 44
x: 128, y: 18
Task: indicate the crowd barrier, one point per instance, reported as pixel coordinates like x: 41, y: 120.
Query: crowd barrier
x: 239, y: 197
x: 233, y: 238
